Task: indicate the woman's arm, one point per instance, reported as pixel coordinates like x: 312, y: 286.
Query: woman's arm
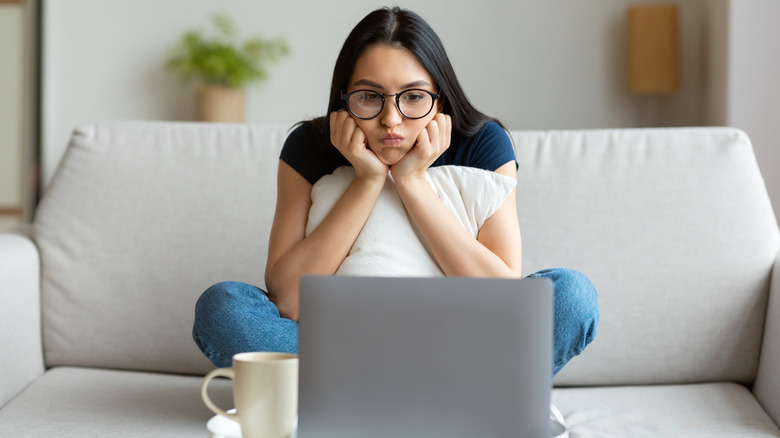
x: 496, y: 252
x: 292, y: 254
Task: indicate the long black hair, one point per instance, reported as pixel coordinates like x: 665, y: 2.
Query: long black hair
x: 400, y: 28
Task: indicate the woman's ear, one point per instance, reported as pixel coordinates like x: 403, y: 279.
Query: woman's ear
x: 440, y: 103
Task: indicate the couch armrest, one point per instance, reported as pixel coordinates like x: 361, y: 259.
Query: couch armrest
x: 767, y: 386
x: 21, y: 360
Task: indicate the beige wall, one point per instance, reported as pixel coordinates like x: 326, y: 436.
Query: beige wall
x: 716, y: 56
x: 11, y: 121
x: 534, y: 64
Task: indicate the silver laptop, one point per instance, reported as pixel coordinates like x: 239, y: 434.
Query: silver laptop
x: 424, y: 357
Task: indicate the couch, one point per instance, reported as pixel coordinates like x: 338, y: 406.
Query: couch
x: 673, y: 226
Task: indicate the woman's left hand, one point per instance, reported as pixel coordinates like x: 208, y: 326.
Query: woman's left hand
x: 430, y: 144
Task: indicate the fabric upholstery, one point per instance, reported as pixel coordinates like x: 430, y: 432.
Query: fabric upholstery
x: 75, y: 402
x: 676, y: 231
x: 767, y: 387
x: 21, y: 360
x: 139, y: 219
x: 710, y: 410
x: 662, y: 221
x: 673, y: 226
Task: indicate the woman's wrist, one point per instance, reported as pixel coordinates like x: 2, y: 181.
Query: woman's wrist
x: 411, y: 184
x: 371, y: 180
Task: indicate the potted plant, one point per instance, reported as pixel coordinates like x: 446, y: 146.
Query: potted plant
x: 222, y: 66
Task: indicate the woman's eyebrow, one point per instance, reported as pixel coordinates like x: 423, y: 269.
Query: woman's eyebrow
x: 420, y: 83
x: 368, y: 83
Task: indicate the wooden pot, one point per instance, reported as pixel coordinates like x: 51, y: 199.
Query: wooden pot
x: 220, y: 104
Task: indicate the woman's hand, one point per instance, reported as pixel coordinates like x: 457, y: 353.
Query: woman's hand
x: 351, y: 141
x: 431, y: 143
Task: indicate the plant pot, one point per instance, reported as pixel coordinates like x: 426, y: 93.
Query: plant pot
x: 220, y: 104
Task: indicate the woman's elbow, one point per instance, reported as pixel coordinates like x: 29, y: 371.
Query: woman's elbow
x: 286, y: 304
x: 289, y: 313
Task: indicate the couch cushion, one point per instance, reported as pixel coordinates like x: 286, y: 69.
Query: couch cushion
x: 20, y: 320
x: 139, y: 219
x: 675, y: 229
x: 767, y: 386
x: 703, y: 410
x: 80, y: 402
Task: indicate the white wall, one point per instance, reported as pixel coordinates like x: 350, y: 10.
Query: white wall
x: 534, y: 64
x: 754, y: 82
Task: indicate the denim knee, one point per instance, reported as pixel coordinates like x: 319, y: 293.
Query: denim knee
x: 209, y: 313
x: 224, y: 293
x: 576, y: 316
x: 217, y: 299
x: 233, y: 317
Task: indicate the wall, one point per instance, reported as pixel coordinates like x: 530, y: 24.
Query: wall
x: 716, y: 59
x: 12, y: 19
x: 754, y: 82
x: 534, y: 64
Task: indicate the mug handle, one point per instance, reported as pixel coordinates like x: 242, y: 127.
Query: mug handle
x: 219, y: 372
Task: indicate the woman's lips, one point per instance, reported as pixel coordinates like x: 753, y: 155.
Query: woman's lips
x: 392, y: 140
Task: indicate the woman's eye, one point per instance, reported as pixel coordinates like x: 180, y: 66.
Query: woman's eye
x: 413, y: 97
x: 370, y: 97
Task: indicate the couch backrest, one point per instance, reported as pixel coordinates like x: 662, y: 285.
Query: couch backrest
x: 675, y: 229
x: 673, y: 226
x: 139, y: 219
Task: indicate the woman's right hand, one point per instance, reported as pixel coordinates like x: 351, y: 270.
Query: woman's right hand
x: 351, y: 141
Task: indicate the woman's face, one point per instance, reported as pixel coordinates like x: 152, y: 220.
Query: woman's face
x: 390, y: 70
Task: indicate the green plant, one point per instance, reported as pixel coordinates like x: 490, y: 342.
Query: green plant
x: 222, y: 59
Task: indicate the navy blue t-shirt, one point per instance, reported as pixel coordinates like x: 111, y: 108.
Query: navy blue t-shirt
x: 490, y: 149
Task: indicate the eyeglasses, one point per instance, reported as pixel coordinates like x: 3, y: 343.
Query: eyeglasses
x: 367, y: 104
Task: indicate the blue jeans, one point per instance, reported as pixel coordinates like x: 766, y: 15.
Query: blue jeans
x: 233, y: 317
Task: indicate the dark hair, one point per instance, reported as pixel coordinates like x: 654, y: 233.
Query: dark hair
x: 405, y: 29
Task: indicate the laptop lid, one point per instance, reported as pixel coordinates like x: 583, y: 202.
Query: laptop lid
x: 424, y: 357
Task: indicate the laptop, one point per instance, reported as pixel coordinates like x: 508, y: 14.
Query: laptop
x: 424, y: 357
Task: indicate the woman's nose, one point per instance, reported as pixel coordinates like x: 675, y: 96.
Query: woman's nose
x: 391, y: 115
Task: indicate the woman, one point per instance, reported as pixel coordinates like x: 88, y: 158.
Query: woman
x: 395, y: 106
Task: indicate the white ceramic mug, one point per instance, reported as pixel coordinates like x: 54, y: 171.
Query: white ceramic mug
x: 265, y: 392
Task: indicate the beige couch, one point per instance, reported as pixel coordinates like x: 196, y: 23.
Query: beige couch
x: 673, y: 226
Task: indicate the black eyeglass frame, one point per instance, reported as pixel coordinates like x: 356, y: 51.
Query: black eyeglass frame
x: 345, y: 98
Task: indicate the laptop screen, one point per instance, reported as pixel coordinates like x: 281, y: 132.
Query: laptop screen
x: 427, y: 357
